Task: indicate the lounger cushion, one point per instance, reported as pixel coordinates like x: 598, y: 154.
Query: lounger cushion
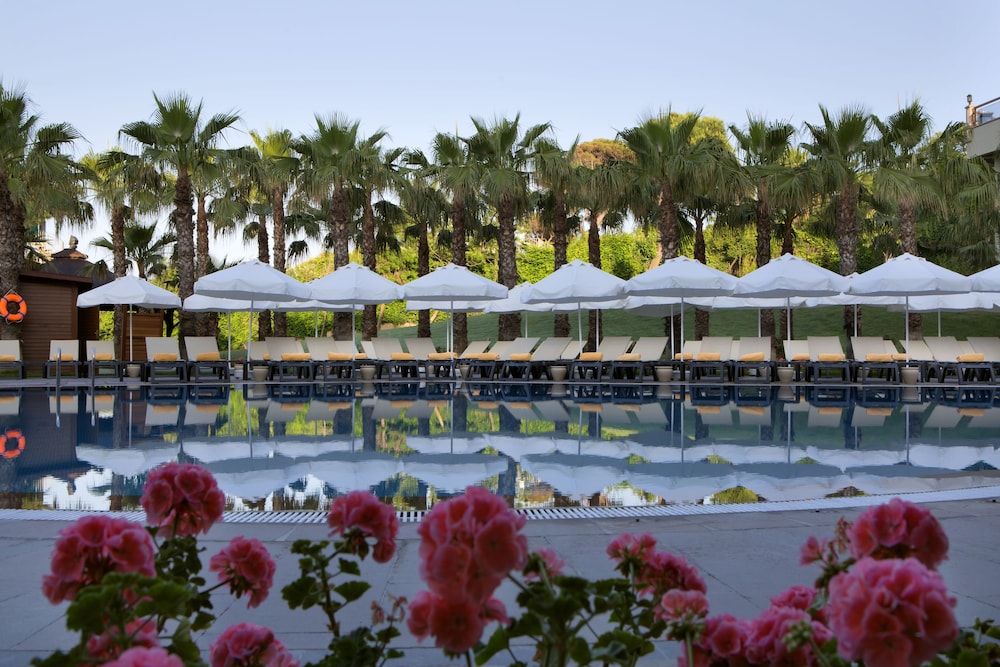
x: 752, y: 356
x: 630, y: 356
x: 802, y: 356
x: 296, y: 356
x: 830, y: 357
x: 898, y: 356
x: 164, y: 356
x: 591, y: 356
x: 208, y: 356
x: 972, y: 356
x: 757, y: 410
x: 879, y: 357
x: 708, y: 409
x: 521, y: 356
x: 684, y: 356
x: 104, y: 357
x: 971, y: 412
x: 709, y: 356
x: 338, y: 356
x: 879, y: 412
x: 360, y: 355
x: 7, y: 358
x: 441, y: 356
x: 65, y: 357
x: 488, y: 356
x: 401, y: 356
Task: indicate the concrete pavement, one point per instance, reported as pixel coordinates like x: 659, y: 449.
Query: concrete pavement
x: 745, y: 558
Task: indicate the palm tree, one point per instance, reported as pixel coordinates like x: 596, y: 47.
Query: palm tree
x: 839, y: 152
x: 427, y: 208
x: 176, y: 140
x: 143, y: 247
x: 667, y: 159
x: 38, y: 180
x: 329, y: 164
x: 501, y: 157
x: 452, y: 171
x: 764, y: 147
x: 123, y: 188
x: 559, y: 176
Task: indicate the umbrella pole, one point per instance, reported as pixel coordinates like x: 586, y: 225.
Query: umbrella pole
x: 130, y: 356
x: 788, y: 317
x: 229, y: 326
x: 579, y: 327
x: 906, y: 326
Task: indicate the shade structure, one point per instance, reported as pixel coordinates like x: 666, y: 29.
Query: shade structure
x: 573, y: 475
x: 252, y: 281
x: 129, y: 291
x: 789, y: 276
x: 909, y: 276
x: 577, y: 283
x: 353, y: 285
x: 452, y: 473
x: 514, y: 303
x: 987, y: 280
x: 452, y: 283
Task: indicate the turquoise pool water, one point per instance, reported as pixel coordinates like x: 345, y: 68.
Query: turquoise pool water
x: 286, y: 446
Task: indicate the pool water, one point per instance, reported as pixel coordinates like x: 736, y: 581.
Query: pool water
x: 284, y: 446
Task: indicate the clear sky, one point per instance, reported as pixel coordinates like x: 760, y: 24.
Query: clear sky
x: 416, y: 68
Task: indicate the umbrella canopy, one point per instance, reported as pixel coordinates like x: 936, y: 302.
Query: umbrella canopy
x: 790, y: 276
x: 129, y: 291
x: 987, y: 280
x: 908, y: 276
x: 252, y: 280
x: 681, y: 277
x: 578, y: 284
x: 353, y: 284
x: 453, y: 284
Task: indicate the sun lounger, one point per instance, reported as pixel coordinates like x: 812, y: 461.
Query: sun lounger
x: 435, y: 364
x: 392, y: 361
x: 100, y: 357
x: 64, y: 358
x: 485, y: 365
x: 796, y: 357
x: 330, y: 359
x: 553, y: 352
x: 11, y: 359
x: 288, y: 361
x: 919, y: 355
x: 958, y: 361
x: 752, y: 359
x: 592, y: 365
x: 164, y: 360
x: 639, y: 362
x: 514, y: 361
x: 875, y: 359
x: 989, y: 347
x: 712, y: 361
x: 204, y: 360
x: 827, y: 361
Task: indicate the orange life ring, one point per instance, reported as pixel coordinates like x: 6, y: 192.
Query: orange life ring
x: 12, y: 307
x: 17, y: 437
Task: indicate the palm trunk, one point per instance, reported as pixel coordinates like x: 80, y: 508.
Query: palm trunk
x: 458, y: 247
x: 908, y: 240
x: 423, y: 268
x: 701, y: 317
x: 594, y: 255
x: 201, y: 259
x: 669, y: 243
x: 264, y: 255
x: 560, y: 243
x: 787, y: 248
x: 847, y: 244
x: 510, y: 323
x: 369, y: 322
x: 120, y: 266
x: 278, y: 215
x: 764, y: 251
x: 343, y: 323
x: 184, y: 225
x: 12, y: 216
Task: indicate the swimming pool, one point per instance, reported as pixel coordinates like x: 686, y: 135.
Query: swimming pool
x: 287, y: 446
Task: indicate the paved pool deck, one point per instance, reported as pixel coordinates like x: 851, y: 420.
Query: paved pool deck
x: 746, y: 556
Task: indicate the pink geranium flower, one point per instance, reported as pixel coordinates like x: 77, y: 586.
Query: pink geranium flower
x: 891, y: 612
x: 140, y: 632
x: 90, y: 548
x: 549, y: 561
x: 146, y: 657
x: 766, y: 638
x: 360, y: 516
x: 182, y: 499
x: 899, y: 529
x: 249, y: 645
x: 247, y: 567
x: 663, y: 571
x: 455, y: 625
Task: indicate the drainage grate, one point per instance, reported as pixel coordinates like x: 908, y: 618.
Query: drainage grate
x: 551, y: 513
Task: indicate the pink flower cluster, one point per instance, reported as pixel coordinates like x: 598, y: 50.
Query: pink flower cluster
x: 249, y: 645
x: 90, y: 548
x: 360, y: 516
x: 654, y: 572
x: 899, y: 529
x: 140, y: 632
x: 146, y: 657
x: 182, y: 499
x: 247, y: 567
x: 894, y: 612
x: 468, y: 545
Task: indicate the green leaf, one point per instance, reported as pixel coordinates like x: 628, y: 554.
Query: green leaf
x: 498, y: 641
x: 352, y: 590
x: 348, y: 566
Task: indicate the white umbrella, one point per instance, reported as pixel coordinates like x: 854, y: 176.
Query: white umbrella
x: 577, y: 283
x: 354, y: 285
x: 790, y: 276
x: 451, y: 473
x: 453, y: 283
x: 252, y: 281
x: 573, y: 475
x: 987, y: 280
x: 514, y: 303
x: 129, y: 291
x: 908, y: 276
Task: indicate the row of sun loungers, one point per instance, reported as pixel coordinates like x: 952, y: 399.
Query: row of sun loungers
x: 718, y: 359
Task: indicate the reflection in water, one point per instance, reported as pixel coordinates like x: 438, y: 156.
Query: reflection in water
x: 284, y: 446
